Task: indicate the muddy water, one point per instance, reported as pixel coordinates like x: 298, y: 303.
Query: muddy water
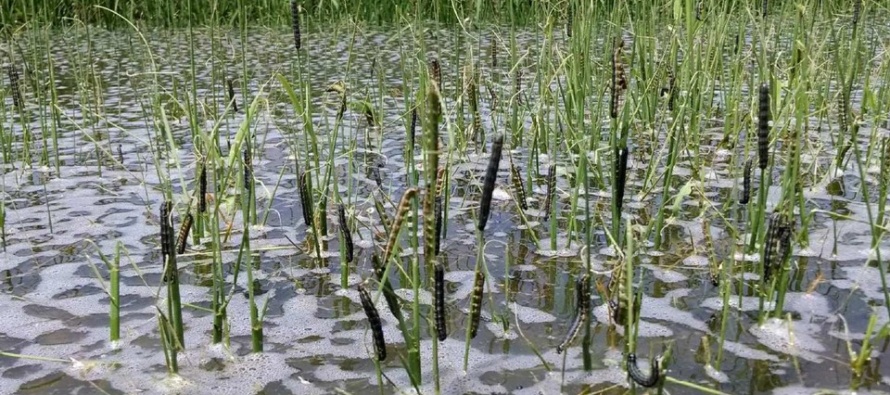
x: 106, y: 191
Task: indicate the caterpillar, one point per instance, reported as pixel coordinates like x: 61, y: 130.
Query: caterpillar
x: 184, y: 230
x: 582, y: 306
x: 476, y: 302
x: 634, y: 371
x: 439, y: 288
x: 374, y: 322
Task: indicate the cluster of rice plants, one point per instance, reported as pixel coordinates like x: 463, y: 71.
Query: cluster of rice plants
x: 601, y: 151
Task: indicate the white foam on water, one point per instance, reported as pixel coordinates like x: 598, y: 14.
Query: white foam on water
x: 792, y: 338
x: 531, y: 315
x: 666, y: 275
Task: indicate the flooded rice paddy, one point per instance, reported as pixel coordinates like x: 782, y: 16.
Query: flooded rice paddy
x: 106, y: 189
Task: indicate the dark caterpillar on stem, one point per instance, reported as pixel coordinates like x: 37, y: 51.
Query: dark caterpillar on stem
x: 637, y: 375
x: 746, y: 184
x: 413, y: 129
x: 232, y: 101
x: 168, y: 247
x: 551, y: 185
x: 439, y: 288
x: 392, y: 301
x: 857, y: 10
x: 374, y: 322
x: 476, y: 303
x: 620, y: 175
x: 306, y: 197
x: 248, y: 168
x: 202, y: 187
x: 582, y: 306
x: 184, y: 230
x: 763, y: 115
x: 347, y: 235
x: 491, y: 174
x: 295, y: 24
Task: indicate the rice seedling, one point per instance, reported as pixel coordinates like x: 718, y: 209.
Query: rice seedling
x: 694, y: 88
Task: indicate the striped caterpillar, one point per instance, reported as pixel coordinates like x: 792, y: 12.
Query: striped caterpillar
x: 582, y: 306
x: 374, y: 322
x: 168, y: 249
x: 202, y: 188
x: 184, y: 230
x: 389, y: 295
x: 551, y: 184
x: 778, y: 244
x: 763, y: 115
x: 439, y: 288
x: 476, y: 302
x: 637, y: 375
